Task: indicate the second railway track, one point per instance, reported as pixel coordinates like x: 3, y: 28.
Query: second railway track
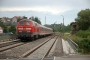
x: 8, y: 46
x: 41, y: 50
x: 9, y: 43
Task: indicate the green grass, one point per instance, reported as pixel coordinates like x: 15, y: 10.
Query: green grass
x: 83, y: 43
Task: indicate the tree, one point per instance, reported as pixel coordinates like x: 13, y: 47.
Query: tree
x: 12, y: 29
x: 1, y: 24
x: 32, y: 18
x: 36, y: 19
x: 67, y: 28
x: 59, y: 27
x: 5, y: 29
x: 83, y: 19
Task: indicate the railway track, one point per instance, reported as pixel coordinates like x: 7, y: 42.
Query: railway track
x: 9, y: 43
x: 16, y: 50
x: 38, y: 51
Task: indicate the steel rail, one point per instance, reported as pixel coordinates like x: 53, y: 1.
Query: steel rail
x: 49, y: 50
x: 34, y: 49
x: 10, y: 47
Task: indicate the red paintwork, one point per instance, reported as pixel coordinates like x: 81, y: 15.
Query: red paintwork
x: 39, y: 29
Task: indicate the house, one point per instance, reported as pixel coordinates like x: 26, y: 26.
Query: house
x: 18, y: 18
x: 1, y: 30
x: 14, y: 20
x: 3, y: 19
x: 8, y: 21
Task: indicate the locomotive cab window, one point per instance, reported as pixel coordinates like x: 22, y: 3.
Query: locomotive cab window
x: 22, y: 23
x: 35, y: 24
x: 27, y: 22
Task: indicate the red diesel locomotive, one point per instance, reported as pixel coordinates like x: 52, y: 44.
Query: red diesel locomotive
x: 28, y: 29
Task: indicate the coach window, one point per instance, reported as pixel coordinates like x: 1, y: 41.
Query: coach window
x: 41, y: 28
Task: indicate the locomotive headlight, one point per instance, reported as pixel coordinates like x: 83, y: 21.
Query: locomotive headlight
x: 28, y: 28
x: 20, y: 28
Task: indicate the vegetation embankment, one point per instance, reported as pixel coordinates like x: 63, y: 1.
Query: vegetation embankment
x: 84, y: 43
x: 82, y: 37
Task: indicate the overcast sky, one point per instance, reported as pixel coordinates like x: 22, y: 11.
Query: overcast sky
x: 52, y: 9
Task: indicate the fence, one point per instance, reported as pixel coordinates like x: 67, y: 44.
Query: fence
x: 7, y: 36
x: 73, y: 44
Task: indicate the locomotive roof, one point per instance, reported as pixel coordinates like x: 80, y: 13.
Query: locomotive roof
x: 46, y: 27
x: 26, y: 19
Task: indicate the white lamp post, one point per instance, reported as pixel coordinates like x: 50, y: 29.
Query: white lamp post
x: 63, y: 24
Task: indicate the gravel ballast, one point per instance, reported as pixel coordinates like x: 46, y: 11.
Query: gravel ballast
x: 57, y: 49
x: 18, y: 51
x: 39, y: 53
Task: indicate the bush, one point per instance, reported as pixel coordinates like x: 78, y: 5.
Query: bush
x: 84, y: 45
x: 83, y: 34
x: 82, y: 38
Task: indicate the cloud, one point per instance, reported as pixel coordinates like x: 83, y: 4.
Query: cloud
x: 51, y: 6
x: 45, y: 9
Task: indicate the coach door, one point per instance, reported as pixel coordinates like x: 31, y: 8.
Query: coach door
x: 36, y: 28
